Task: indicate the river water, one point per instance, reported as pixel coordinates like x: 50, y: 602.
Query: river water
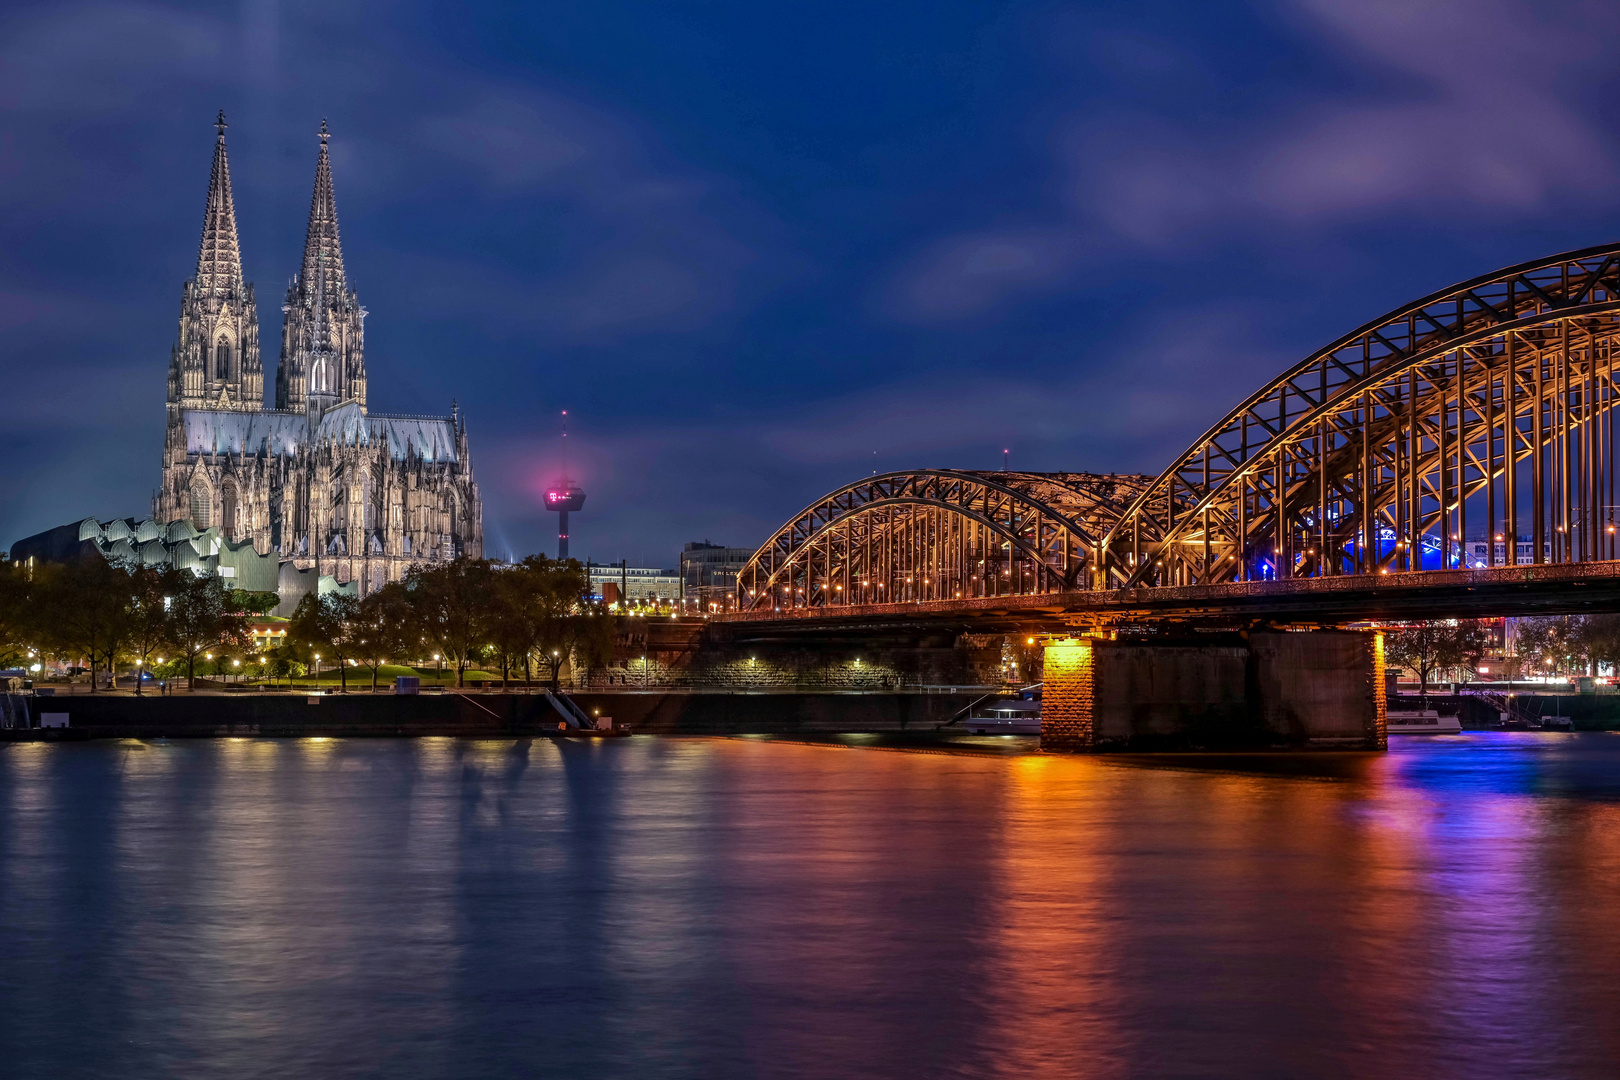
x: 716, y: 908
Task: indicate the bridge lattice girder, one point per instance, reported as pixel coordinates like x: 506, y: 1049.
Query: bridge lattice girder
x: 1488, y: 407
x: 938, y: 534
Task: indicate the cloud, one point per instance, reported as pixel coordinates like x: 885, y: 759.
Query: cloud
x: 652, y: 255
x: 1185, y: 367
x: 1181, y: 367
x: 98, y: 58
x: 967, y: 274
x: 1490, y: 115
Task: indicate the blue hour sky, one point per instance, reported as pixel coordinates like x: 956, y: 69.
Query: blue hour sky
x: 758, y: 250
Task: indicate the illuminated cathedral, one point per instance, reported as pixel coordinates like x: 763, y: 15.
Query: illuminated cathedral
x: 328, y: 486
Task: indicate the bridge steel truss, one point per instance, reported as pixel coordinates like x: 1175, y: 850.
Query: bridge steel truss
x: 1485, y: 410
x: 935, y: 534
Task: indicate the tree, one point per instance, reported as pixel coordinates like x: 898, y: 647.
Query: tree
x: 1601, y: 636
x: 452, y: 605
x: 149, y: 626
x: 15, y: 623
x: 201, y: 617
x: 564, y: 624
x: 384, y: 629
x: 254, y: 603
x: 284, y: 661
x: 517, y: 607
x: 1553, y: 642
x: 328, y: 623
x: 83, y: 609
x: 1433, y: 646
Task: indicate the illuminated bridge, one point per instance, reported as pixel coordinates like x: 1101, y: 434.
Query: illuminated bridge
x: 1455, y: 456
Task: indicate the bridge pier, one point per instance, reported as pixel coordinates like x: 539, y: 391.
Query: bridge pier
x: 1319, y: 689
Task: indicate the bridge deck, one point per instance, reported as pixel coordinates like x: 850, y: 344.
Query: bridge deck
x: 1505, y: 590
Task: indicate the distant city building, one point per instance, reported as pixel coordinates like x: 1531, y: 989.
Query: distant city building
x: 1479, y: 552
x: 317, y: 481
x: 709, y: 572
x: 638, y: 584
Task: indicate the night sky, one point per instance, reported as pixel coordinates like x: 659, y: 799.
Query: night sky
x: 759, y: 249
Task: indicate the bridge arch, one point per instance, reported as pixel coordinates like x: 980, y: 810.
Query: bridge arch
x: 1485, y: 409
x: 937, y: 534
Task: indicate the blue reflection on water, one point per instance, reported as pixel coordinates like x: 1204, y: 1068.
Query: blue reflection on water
x: 736, y: 908
x: 1583, y: 765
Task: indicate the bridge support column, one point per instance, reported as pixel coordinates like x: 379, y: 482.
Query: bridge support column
x: 1068, y: 696
x: 1322, y: 689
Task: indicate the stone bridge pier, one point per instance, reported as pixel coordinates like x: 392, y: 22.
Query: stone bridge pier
x: 1263, y: 689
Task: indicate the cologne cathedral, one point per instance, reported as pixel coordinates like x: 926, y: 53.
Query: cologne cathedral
x: 319, y: 481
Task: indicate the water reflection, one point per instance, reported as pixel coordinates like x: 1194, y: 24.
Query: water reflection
x: 720, y: 908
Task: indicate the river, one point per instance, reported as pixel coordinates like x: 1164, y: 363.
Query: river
x: 715, y: 908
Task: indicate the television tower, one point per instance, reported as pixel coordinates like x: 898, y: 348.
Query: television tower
x: 564, y: 495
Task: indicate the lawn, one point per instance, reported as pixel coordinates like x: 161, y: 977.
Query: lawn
x: 361, y: 677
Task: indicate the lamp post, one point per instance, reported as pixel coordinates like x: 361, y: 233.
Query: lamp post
x: 439, y: 664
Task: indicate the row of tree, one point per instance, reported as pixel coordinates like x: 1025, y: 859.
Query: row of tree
x: 534, y: 615
x: 1567, y: 644
x: 1546, y: 645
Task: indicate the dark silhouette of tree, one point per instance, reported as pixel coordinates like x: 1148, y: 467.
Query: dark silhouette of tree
x: 566, y: 626
x: 201, y: 618
x: 452, y: 604
x: 1433, y: 646
x: 83, y: 610
x: 328, y: 625
x: 1553, y: 643
x: 254, y: 603
x: 16, y: 623
x: 385, y: 628
x: 151, y: 592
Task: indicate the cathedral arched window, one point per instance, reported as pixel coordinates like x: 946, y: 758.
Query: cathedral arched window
x: 222, y: 359
x: 199, y: 506
x: 368, y: 495
x: 227, y: 511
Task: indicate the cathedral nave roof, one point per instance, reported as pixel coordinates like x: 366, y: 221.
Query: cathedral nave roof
x: 283, y: 434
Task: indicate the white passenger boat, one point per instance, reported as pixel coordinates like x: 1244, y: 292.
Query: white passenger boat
x: 1006, y: 718
x: 1423, y: 722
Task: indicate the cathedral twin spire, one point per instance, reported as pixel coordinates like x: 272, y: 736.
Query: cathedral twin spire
x: 215, y: 360
x: 216, y: 364
x: 323, y: 335
x: 219, y: 259
x: 321, y: 244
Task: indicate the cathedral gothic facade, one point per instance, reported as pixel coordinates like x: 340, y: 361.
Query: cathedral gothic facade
x: 329, y: 487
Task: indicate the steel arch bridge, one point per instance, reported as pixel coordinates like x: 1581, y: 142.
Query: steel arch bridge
x: 938, y: 534
x: 1472, y: 428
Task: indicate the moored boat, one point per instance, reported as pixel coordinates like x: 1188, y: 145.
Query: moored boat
x: 1006, y: 718
x: 1422, y: 722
